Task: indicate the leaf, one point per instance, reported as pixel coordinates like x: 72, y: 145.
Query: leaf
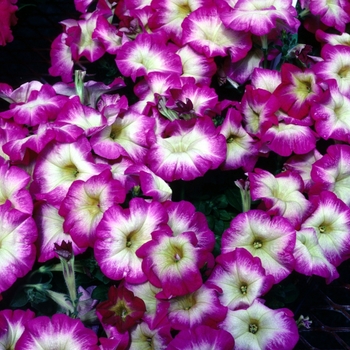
x: 100, y: 292
x: 20, y: 299
x: 233, y: 196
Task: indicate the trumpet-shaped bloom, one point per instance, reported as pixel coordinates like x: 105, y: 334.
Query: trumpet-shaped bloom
x: 202, y: 337
x: 310, y: 258
x: 260, y: 17
x: 204, y: 31
x: 186, y: 150
x: 121, y: 233
x: 12, y: 325
x: 331, y: 221
x: 122, y: 309
x: 59, y: 165
x: 50, y: 231
x: 126, y: 137
x: 260, y: 328
x: 332, y: 172
x: 242, y: 149
x: 298, y: 91
x: 201, y: 307
x: 172, y: 263
x: 241, y: 279
x: 18, y: 233
x: 85, y: 203
x: 282, y: 194
x: 57, y: 332
x: 332, y: 114
x: 270, y: 239
x: 13, y: 182
x: 144, y: 55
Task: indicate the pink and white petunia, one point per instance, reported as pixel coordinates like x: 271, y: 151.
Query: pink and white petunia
x: 298, y: 91
x: 333, y: 39
x: 242, y: 149
x: 144, y: 55
x: 335, y: 14
x: 241, y: 279
x: 187, y: 149
x: 310, y: 259
x: 172, y: 263
x: 45, y: 333
x: 260, y: 17
x: 335, y: 65
x: 201, y: 307
x: 331, y: 222
x: 266, y: 79
x: 18, y: 233
x: 332, y: 172
x: 50, y: 231
x: 204, y: 31
x: 151, y: 184
x: 281, y: 194
x: 202, y: 337
x: 121, y: 233
x: 12, y: 325
x: 156, y: 309
x: 332, y: 114
x: 127, y: 136
x: 85, y: 203
x: 7, y: 19
x: 84, y: 117
x: 272, y: 239
x: 183, y: 217
x: 197, y: 66
x: 141, y: 336
x: 261, y: 328
x: 13, y: 183
x: 41, y: 106
x: 61, y: 164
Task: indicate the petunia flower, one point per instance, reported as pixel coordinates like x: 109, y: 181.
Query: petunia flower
x: 270, y: 239
x: 266, y: 79
x: 202, y: 337
x: 7, y: 19
x: 172, y: 263
x: 145, y: 55
x: 335, y: 65
x: 186, y: 150
x: 331, y: 114
x: 127, y: 136
x: 261, y: 328
x: 85, y: 203
x: 142, y: 336
x: 122, y: 309
x: 242, y: 149
x: 260, y: 17
x: 298, y: 91
x: 201, y: 307
x: 43, y: 332
x: 204, y: 31
x: 121, y: 233
x: 13, y: 183
x: 59, y: 165
x: 332, y: 172
x: 18, y: 233
x: 12, y: 325
x: 241, y: 278
x: 310, y: 258
x: 282, y: 194
x: 331, y: 222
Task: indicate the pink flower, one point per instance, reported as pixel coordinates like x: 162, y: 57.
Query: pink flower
x: 57, y: 332
x: 260, y: 328
x: 7, y: 19
x: 186, y: 150
x: 270, y: 239
x: 18, y: 233
x: 202, y: 337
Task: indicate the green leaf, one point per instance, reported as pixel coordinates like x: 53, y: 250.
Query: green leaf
x: 100, y: 292
x: 220, y: 201
x: 225, y: 215
x: 233, y: 196
x: 20, y: 299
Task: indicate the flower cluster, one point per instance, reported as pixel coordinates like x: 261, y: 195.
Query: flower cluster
x: 85, y: 162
